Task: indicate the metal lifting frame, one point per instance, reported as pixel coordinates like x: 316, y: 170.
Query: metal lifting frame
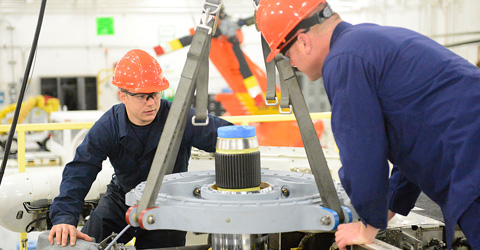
x: 194, y: 76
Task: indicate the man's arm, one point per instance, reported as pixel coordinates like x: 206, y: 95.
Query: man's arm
x: 359, y: 128
x: 67, y: 206
x: 78, y: 176
x: 402, y: 194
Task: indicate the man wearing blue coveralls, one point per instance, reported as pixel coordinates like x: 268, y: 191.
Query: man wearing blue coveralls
x: 396, y: 96
x: 128, y: 134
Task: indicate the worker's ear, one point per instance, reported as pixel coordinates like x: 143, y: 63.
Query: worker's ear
x: 122, y: 97
x: 305, y: 43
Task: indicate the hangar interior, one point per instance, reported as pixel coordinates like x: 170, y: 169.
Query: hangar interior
x: 70, y: 82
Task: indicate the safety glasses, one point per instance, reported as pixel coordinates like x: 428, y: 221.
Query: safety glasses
x: 143, y: 97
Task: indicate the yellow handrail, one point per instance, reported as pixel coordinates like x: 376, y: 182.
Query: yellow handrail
x: 243, y: 120
x: 247, y: 119
x: 22, y: 128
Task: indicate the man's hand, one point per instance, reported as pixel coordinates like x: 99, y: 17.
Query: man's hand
x: 62, y: 231
x: 354, y: 234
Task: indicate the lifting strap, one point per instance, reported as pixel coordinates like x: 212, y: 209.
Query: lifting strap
x: 316, y: 158
x: 201, y: 83
x: 166, y: 153
x: 271, y: 95
x: 209, y: 24
x: 285, y: 106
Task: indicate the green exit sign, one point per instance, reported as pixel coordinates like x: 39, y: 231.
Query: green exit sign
x: 105, y: 26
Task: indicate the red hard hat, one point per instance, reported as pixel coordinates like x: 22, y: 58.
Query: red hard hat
x: 139, y: 72
x: 277, y: 18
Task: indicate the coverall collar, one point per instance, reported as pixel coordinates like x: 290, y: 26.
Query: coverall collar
x: 339, y: 30
x: 128, y: 138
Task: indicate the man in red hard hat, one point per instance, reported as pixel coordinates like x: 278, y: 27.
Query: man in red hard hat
x: 396, y: 96
x: 128, y: 134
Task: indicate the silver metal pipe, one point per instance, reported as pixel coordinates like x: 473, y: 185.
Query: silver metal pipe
x: 239, y: 242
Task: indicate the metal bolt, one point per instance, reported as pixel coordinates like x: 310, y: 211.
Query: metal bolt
x: 325, y: 220
x: 197, y: 192
x: 285, y: 192
x: 151, y: 219
x: 228, y: 220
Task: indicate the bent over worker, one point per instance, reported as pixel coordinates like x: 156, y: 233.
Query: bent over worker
x: 396, y: 96
x: 128, y: 134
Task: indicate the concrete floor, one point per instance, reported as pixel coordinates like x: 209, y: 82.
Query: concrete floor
x: 425, y: 206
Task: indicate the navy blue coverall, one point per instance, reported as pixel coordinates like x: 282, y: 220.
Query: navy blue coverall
x: 397, y: 95
x: 131, y: 150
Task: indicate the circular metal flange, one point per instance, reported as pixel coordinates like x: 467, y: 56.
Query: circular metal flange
x: 266, y: 192
x: 268, y: 210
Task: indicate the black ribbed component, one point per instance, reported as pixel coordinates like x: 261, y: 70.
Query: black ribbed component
x: 237, y: 171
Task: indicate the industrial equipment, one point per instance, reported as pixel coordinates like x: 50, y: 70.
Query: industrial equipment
x: 247, y: 81
x: 238, y: 200
x: 249, y: 209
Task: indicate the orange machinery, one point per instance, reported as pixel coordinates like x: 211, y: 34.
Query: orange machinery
x: 247, y: 81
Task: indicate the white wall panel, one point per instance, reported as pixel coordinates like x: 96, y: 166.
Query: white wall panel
x: 69, y: 45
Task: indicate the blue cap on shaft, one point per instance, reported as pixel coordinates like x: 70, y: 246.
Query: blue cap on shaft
x: 236, y: 131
